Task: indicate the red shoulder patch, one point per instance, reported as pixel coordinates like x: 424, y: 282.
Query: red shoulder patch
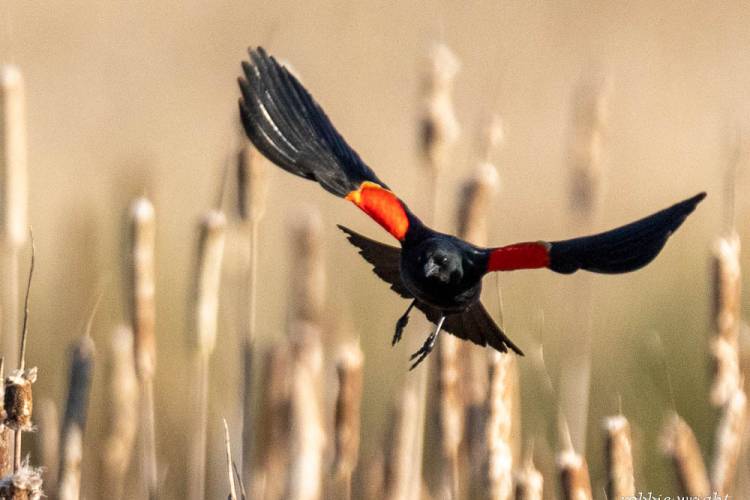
x: 383, y: 206
x: 519, y: 256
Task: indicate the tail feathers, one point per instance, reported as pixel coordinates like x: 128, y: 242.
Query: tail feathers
x: 474, y: 324
x: 624, y: 249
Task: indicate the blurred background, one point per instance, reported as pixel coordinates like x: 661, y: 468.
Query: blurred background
x: 140, y: 98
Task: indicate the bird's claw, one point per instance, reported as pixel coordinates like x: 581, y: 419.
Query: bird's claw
x: 423, y: 351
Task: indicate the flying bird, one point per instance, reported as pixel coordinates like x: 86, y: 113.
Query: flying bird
x: 439, y: 273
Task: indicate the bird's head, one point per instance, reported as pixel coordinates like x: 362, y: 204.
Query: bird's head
x: 441, y: 263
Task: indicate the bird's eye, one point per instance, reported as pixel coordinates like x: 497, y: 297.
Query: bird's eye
x: 440, y: 260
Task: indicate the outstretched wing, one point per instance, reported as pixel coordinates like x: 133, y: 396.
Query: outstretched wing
x: 619, y: 250
x: 385, y: 260
x: 474, y: 324
x: 286, y: 124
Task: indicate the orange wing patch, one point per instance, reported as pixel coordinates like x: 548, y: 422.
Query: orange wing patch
x: 383, y: 206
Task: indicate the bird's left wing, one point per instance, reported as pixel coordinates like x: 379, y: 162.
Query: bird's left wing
x: 619, y: 250
x: 286, y: 124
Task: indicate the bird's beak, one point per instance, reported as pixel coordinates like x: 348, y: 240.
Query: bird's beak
x: 431, y: 269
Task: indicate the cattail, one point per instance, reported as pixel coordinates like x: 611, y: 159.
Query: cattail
x: 74, y: 422
x: 589, y: 110
x: 619, y: 457
x: 49, y: 439
x: 206, y: 308
x: 347, y: 418
x: 252, y: 184
x: 529, y: 481
x: 307, y: 437
x: 273, y: 435
x: 728, y: 442
x: 122, y: 390
x: 24, y: 484
x: 726, y: 318
x: 6, y: 434
x: 19, y: 403
x: 476, y: 195
x: 400, y: 462
x: 502, y: 386
x: 450, y: 415
x: 308, y: 278
x: 573, y: 470
x: 143, y: 310
x: 439, y: 127
x: 13, y: 198
x: 679, y: 443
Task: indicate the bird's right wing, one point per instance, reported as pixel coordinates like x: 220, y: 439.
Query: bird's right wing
x: 286, y: 124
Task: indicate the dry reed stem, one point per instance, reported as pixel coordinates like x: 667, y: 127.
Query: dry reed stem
x: 308, y: 280
x: 74, y: 422
x: 679, y: 443
x: 230, y: 472
x: 347, y: 417
x: 529, y: 481
x: 450, y: 416
x: 49, y: 439
x: 307, y: 436
x: 252, y: 189
x: 726, y: 318
x: 402, y: 432
x: 373, y: 476
x: 122, y: 391
x: 212, y: 233
x: 143, y: 309
x: 499, y: 425
x: 274, y: 426
x: 13, y: 198
x: 728, y: 442
x: 619, y: 457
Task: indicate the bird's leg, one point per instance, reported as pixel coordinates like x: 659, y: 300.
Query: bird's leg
x: 427, y: 346
x: 401, y: 324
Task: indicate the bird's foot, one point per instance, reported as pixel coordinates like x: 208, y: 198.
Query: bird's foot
x: 401, y: 324
x: 423, y: 351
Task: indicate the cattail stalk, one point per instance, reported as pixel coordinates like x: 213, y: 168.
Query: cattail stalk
x: 307, y: 437
x: 499, y: 425
x: 205, y: 322
x: 273, y: 436
x: 529, y: 481
x: 728, y: 442
x: 402, y: 433
x: 573, y: 469
x: 584, y: 160
x: 74, y: 422
x: 13, y: 198
x: 347, y: 417
x: 143, y: 291
x: 619, y: 457
x: 6, y: 450
x: 252, y: 191
x: 724, y: 345
x: 122, y: 390
x: 679, y: 444
x: 439, y: 131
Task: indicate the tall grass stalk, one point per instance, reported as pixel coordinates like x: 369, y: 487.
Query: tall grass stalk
x: 122, y: 394
x: 347, y: 417
x: 252, y: 190
x: 205, y: 302
x: 680, y: 445
x: 142, y: 249
x: 529, y: 481
x: 619, y: 457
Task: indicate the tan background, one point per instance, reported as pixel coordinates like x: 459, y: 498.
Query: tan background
x: 126, y: 98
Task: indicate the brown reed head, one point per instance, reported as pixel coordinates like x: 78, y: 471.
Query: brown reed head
x: 142, y: 285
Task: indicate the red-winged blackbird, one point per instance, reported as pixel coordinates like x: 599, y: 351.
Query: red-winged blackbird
x: 441, y: 274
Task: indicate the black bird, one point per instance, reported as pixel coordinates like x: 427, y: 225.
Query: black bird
x: 439, y: 273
